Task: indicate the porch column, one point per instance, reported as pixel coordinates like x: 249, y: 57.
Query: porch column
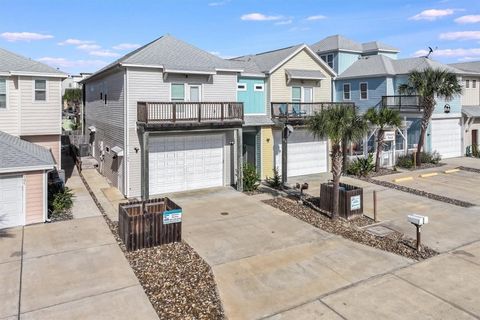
x: 405, y: 136
x: 239, y: 159
x: 145, y: 166
x: 284, y: 154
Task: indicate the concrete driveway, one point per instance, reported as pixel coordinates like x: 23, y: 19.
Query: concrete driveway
x: 68, y: 270
x: 265, y: 261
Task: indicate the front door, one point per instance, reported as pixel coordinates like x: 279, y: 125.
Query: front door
x: 475, y: 137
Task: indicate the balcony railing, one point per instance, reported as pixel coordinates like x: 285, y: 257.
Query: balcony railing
x: 189, y: 112
x: 299, y: 111
x: 405, y: 103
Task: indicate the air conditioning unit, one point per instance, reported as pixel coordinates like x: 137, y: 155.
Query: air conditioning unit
x: 83, y: 150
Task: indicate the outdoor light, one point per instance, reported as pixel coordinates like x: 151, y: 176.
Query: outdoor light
x: 446, y: 108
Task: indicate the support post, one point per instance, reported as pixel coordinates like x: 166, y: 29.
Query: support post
x: 375, y: 206
x: 239, y: 143
x: 419, y: 235
x: 284, y: 154
x: 145, y: 166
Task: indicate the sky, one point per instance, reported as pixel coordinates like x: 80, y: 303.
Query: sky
x: 83, y: 36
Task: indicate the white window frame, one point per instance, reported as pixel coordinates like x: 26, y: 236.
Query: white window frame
x: 474, y: 84
x: 303, y: 93
x: 467, y: 84
x: 185, y: 87
x: 34, y: 90
x: 187, y: 92
x: 349, y: 91
x: 261, y: 85
x: 360, y: 90
x: 6, y: 93
x: 241, y: 84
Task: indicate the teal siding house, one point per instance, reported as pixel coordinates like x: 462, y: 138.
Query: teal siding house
x: 251, y: 91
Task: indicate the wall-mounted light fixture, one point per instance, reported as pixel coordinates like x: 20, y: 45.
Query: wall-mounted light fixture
x: 136, y: 149
x: 232, y: 143
x: 446, y: 108
x: 268, y: 139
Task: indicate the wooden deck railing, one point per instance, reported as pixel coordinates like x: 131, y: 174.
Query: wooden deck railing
x: 298, y: 111
x: 406, y: 103
x: 178, y: 112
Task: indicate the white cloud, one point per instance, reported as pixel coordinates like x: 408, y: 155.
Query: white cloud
x: 75, y: 42
x: 24, y: 36
x: 219, y: 3
x: 259, y: 17
x: 460, y: 35
x: 317, y: 17
x: 284, y: 22
x: 295, y: 29
x: 88, y: 47
x: 468, y: 19
x: 451, y: 53
x: 126, y: 46
x: 104, y: 53
x: 65, y: 63
x: 433, y: 14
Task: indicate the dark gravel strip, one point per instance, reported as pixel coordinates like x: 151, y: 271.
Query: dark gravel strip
x: 395, y: 242
x: 469, y: 169
x: 417, y: 192
x: 178, y: 282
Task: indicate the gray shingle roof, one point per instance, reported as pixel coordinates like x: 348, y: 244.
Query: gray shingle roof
x: 471, y: 111
x: 336, y: 42
x: 18, y: 153
x: 10, y: 62
x: 265, y: 61
x: 305, y: 74
x: 172, y: 54
x: 472, y: 67
x: 377, y: 46
x: 380, y: 65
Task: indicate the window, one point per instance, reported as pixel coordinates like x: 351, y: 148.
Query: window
x: 40, y: 90
x: 194, y: 93
x: 258, y: 87
x: 296, y: 94
x: 474, y: 84
x: 346, y: 91
x: 302, y: 94
x: 363, y: 91
x: 242, y: 87
x: 307, y: 94
x: 3, y: 94
x: 177, y: 92
x: 328, y: 58
x: 467, y: 83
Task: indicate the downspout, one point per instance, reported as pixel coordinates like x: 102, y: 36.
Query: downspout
x: 126, y: 141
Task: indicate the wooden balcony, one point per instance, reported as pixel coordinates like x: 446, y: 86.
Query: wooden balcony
x: 403, y: 103
x: 299, y: 112
x: 184, y: 115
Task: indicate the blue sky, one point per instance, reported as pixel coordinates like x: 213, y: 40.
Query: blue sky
x: 84, y: 35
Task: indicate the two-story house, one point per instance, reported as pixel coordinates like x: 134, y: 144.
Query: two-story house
x: 296, y: 83
x: 470, y: 103
x: 30, y: 131
x: 165, y: 118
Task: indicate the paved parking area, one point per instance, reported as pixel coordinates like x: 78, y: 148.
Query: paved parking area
x: 68, y: 270
x: 265, y: 261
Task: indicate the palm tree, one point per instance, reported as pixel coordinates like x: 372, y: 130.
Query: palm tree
x: 429, y: 84
x: 335, y: 123
x: 382, y: 118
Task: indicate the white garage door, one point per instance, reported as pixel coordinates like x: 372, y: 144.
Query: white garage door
x: 11, y: 201
x: 447, y: 137
x: 185, y: 162
x: 306, y: 155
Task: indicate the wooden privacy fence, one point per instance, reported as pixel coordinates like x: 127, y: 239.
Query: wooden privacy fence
x: 145, y: 224
x: 350, y: 200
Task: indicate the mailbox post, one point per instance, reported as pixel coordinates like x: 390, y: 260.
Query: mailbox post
x: 418, y: 221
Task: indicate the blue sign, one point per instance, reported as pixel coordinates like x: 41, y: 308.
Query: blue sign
x: 172, y: 216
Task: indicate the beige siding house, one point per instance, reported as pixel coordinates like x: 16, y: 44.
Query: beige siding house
x: 30, y: 130
x: 164, y: 118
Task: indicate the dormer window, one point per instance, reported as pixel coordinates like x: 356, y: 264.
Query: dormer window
x: 328, y: 58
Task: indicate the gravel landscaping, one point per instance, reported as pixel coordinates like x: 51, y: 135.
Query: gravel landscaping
x: 178, y: 282
x: 62, y: 216
x: 394, y: 242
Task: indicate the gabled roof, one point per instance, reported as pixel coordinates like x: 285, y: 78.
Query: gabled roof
x: 471, y: 67
x: 268, y: 62
x: 171, y: 54
x: 374, y: 46
x: 335, y: 43
x: 16, y: 153
x: 13, y: 63
x: 380, y: 65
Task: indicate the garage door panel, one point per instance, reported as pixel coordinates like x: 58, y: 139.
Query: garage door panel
x: 11, y: 201
x: 446, y: 137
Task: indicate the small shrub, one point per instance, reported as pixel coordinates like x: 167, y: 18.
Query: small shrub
x: 405, y: 161
x: 61, y: 201
x: 275, y: 182
x: 361, y: 167
x: 475, y: 151
x: 250, y: 177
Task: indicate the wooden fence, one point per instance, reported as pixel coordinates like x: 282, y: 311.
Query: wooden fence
x: 141, y: 223
x: 350, y: 200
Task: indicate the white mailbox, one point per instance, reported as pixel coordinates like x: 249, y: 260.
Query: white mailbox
x: 417, y: 219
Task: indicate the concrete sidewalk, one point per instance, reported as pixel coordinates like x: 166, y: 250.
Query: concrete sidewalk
x: 83, y: 205
x: 68, y: 270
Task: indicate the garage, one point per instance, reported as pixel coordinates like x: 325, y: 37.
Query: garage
x: 185, y: 162
x: 446, y: 137
x: 11, y: 201
x: 306, y: 155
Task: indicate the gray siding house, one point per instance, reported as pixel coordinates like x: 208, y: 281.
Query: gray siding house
x: 164, y: 118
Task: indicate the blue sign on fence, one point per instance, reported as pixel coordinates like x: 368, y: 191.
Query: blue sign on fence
x: 172, y: 216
